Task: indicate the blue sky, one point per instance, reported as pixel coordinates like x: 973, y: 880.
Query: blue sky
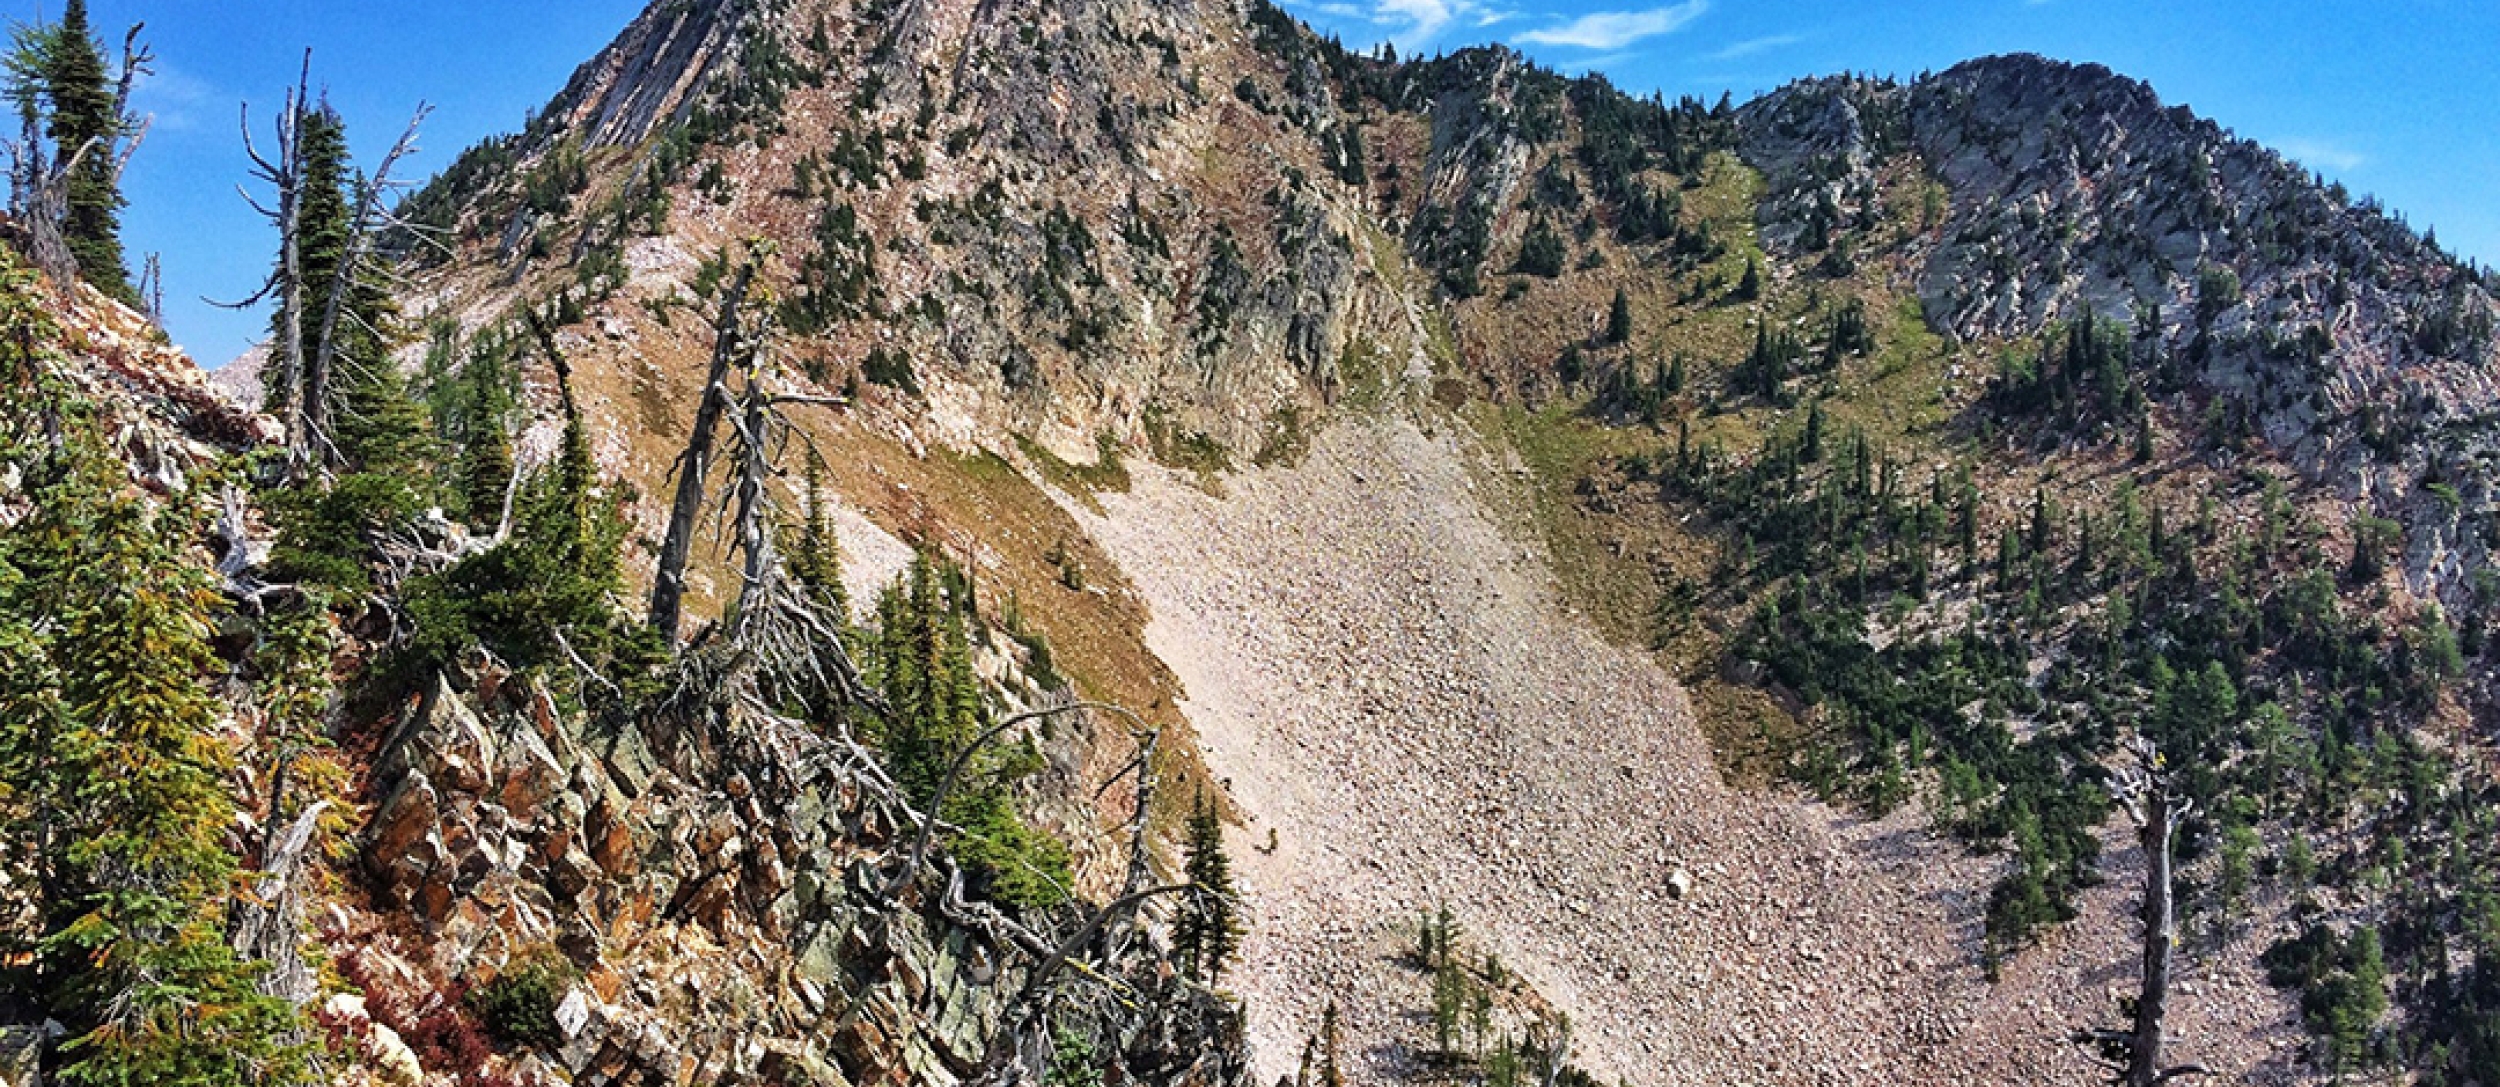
x: 482, y: 65
x: 2399, y: 97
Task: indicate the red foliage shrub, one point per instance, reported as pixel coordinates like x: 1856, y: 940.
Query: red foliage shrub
x: 433, y: 1025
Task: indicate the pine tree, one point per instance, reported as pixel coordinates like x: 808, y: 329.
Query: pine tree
x: 1351, y: 168
x: 1750, y: 287
x: 1208, y: 932
x: 1619, y: 319
x: 923, y: 661
x: 86, y: 129
x: 1331, y: 1043
x: 1449, y: 1006
x: 376, y: 425
x: 1542, y: 253
x: 544, y: 595
x: 476, y: 413
x: 132, y: 780
x: 816, y: 556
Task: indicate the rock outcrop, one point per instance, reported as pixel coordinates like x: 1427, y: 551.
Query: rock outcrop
x: 719, y: 891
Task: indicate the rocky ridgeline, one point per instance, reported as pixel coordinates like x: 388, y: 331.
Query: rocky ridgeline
x: 2353, y: 346
x: 1081, y: 222
x: 720, y: 890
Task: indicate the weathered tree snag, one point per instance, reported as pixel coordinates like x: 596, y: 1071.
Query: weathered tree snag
x: 759, y: 574
x: 283, y: 170
x: 694, y: 466
x: 264, y: 925
x: 2134, y: 1056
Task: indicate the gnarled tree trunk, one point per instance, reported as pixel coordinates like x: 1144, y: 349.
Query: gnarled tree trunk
x: 694, y: 466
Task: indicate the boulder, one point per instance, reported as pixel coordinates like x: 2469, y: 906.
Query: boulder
x: 392, y: 1059
x: 1680, y: 885
x: 21, y: 1055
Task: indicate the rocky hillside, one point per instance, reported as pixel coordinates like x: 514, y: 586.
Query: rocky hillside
x: 466, y: 873
x: 2285, y: 309
x: 1709, y: 558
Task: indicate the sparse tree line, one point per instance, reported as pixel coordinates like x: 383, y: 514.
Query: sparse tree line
x: 2246, y: 641
x: 1485, y: 1026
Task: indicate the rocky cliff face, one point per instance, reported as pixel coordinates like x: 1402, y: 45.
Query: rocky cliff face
x: 656, y: 71
x: 1079, y: 226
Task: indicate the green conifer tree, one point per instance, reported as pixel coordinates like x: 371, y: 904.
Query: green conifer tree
x: 924, y: 666
x: 131, y: 783
x: 1208, y: 932
x: 1331, y: 1044
x: 1750, y: 287
x: 376, y: 425
x: 477, y: 414
x: 86, y: 130
x: 1619, y: 319
x: 544, y: 595
x: 816, y: 556
x: 1542, y: 253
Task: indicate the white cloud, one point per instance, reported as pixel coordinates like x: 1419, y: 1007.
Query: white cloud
x: 2320, y: 155
x: 1597, y: 63
x: 1751, y: 46
x: 1423, y: 19
x: 177, y: 100
x: 1413, y: 24
x: 1607, y: 31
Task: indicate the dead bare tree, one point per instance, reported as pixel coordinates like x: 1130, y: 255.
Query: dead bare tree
x: 730, y: 346
x: 780, y: 642
x: 1550, y: 1039
x: 762, y: 434
x: 152, y: 288
x: 265, y: 925
x: 2134, y: 1056
x: 39, y: 200
x: 283, y: 171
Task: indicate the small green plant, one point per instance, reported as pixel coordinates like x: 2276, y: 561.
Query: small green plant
x: 1072, y: 1061
x: 891, y: 369
x: 518, y: 1007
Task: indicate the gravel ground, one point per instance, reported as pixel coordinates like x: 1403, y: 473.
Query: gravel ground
x: 1388, y: 681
